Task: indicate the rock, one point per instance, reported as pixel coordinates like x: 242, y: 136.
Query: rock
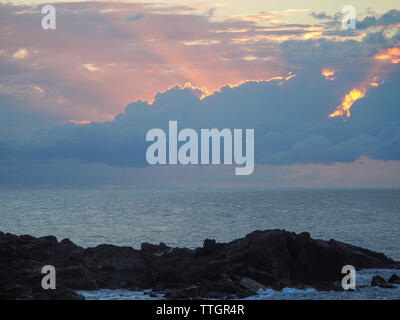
x: 154, y: 249
x: 305, y: 235
x: 192, y: 292
x: 58, y: 294
x: 394, y: 279
x: 262, y: 259
x: 49, y: 238
x: 209, y: 244
x: 210, y: 247
x: 378, y: 281
x: 69, y: 243
x: 252, y: 285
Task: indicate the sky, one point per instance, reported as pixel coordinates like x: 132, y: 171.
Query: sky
x: 76, y: 102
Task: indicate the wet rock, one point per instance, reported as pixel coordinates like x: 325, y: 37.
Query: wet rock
x: 378, y: 281
x: 252, y: 285
x: 394, y: 279
x: 262, y: 259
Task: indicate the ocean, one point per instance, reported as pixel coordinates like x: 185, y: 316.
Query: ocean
x: 185, y: 217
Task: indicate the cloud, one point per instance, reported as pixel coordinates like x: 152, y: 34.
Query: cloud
x: 20, y: 54
x: 392, y: 17
x: 90, y: 67
x: 291, y: 123
x: 321, y: 15
x: 48, y: 114
x: 391, y: 54
x: 135, y: 17
x: 389, y: 19
x: 364, y: 172
x: 18, y: 122
x: 177, y: 47
x: 178, y: 44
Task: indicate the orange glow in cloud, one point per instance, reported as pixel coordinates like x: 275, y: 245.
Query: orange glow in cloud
x: 205, y: 92
x: 329, y: 74
x: 392, y: 54
x: 312, y: 35
x: 289, y: 76
x: 376, y: 82
x: 343, y: 110
x: 79, y: 121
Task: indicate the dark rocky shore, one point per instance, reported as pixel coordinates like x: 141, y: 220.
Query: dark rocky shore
x: 272, y: 258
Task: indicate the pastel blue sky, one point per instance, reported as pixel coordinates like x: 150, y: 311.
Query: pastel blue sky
x: 76, y: 102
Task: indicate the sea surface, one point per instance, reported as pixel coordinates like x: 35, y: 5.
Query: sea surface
x: 185, y: 217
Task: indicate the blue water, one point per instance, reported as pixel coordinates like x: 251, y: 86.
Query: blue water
x: 185, y: 217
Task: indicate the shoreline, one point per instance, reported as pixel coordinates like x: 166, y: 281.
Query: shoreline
x: 271, y: 259
x: 363, y: 291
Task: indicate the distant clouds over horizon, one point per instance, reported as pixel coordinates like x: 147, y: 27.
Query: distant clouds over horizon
x: 76, y: 102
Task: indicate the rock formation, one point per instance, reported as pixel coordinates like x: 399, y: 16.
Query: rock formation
x: 272, y: 258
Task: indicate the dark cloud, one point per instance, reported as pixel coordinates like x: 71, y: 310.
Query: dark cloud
x: 135, y: 17
x: 392, y: 17
x: 321, y: 15
x: 19, y: 122
x: 291, y: 124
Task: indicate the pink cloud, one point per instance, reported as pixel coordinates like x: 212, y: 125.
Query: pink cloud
x: 104, y: 55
